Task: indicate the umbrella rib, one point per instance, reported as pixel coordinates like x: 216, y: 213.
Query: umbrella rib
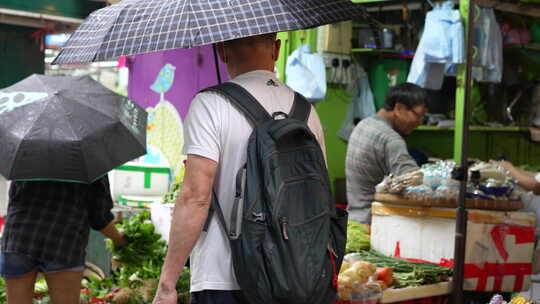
x: 86, y: 106
x: 79, y: 137
x: 95, y: 109
x: 26, y: 132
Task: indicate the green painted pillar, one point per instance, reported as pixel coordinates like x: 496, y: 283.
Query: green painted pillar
x: 290, y: 41
x: 460, y: 91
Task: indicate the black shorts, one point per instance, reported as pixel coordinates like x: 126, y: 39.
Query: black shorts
x: 217, y: 297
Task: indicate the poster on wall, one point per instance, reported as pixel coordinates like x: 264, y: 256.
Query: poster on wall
x: 165, y: 83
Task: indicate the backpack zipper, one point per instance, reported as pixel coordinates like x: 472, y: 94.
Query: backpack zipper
x: 284, y: 222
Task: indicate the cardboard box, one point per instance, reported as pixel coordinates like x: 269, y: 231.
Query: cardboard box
x: 499, y: 250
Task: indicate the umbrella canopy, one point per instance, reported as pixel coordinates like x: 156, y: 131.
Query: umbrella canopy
x: 143, y: 26
x: 67, y: 128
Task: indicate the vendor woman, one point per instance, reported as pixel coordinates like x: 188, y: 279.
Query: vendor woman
x: 376, y: 147
x: 529, y: 181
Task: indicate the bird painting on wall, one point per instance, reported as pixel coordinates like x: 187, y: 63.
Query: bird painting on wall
x: 164, y: 80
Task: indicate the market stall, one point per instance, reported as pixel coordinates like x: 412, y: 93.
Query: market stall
x: 412, y: 236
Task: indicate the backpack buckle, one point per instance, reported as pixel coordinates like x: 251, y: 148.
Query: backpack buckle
x: 279, y: 115
x: 259, y: 217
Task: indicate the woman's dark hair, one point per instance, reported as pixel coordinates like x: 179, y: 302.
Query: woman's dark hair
x: 407, y: 94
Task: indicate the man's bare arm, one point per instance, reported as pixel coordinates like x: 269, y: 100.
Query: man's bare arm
x: 189, y: 216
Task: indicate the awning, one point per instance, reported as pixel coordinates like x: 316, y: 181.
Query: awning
x: 37, y: 20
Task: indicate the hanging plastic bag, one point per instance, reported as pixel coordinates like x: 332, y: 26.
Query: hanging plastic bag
x: 362, y: 104
x: 441, y: 47
x: 488, y: 43
x: 306, y: 74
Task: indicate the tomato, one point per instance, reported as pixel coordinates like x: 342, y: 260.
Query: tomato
x: 385, y: 274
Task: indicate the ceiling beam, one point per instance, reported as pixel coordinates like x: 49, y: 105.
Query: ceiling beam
x: 522, y: 9
x: 37, y: 20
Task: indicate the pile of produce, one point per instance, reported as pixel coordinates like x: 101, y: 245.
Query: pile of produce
x: 138, y: 268
x: 498, y: 299
x: 487, y: 181
x: 357, y: 237
x: 356, y: 281
x: 365, y: 274
x: 406, y: 274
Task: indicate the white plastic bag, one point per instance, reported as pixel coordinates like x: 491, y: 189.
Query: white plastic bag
x: 306, y: 74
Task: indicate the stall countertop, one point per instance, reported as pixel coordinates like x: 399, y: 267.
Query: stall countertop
x: 477, y: 128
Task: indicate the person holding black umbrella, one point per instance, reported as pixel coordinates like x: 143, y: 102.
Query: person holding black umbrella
x: 59, y: 136
x: 46, y: 230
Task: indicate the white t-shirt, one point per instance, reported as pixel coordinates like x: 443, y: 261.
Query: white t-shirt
x: 215, y: 129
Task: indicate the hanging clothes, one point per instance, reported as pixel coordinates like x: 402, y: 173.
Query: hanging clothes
x: 487, y: 48
x: 361, y: 106
x: 441, y: 47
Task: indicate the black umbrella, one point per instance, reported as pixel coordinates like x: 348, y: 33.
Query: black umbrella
x: 143, y: 26
x: 67, y: 128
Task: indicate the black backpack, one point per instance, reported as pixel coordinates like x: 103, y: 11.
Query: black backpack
x: 289, y: 245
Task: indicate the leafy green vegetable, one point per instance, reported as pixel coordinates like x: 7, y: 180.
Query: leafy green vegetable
x: 144, y: 245
x: 3, y: 295
x: 95, y: 288
x: 357, y: 237
x: 41, y: 287
x: 142, y: 258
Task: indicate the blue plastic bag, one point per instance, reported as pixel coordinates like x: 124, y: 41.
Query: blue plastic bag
x: 362, y: 105
x: 306, y: 74
x: 441, y: 47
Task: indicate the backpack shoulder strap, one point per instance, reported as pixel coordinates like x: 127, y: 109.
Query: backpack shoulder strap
x: 243, y: 100
x: 301, y: 108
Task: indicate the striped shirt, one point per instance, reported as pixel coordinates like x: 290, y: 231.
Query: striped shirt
x: 375, y: 150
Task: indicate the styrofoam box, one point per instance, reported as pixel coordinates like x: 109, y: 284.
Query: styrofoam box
x: 499, y: 248
x: 161, y: 215
x: 139, y: 179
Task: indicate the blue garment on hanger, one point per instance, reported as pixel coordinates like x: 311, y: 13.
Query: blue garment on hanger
x: 362, y: 105
x: 488, y: 45
x: 441, y: 47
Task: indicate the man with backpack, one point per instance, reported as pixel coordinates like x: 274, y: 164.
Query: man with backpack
x: 272, y: 209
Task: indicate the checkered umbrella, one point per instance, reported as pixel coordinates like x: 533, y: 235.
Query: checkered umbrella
x: 143, y: 26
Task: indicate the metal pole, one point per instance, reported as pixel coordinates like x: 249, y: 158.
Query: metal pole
x: 216, y: 62
x: 461, y: 212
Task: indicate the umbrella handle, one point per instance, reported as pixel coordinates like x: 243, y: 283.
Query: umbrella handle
x: 216, y: 62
